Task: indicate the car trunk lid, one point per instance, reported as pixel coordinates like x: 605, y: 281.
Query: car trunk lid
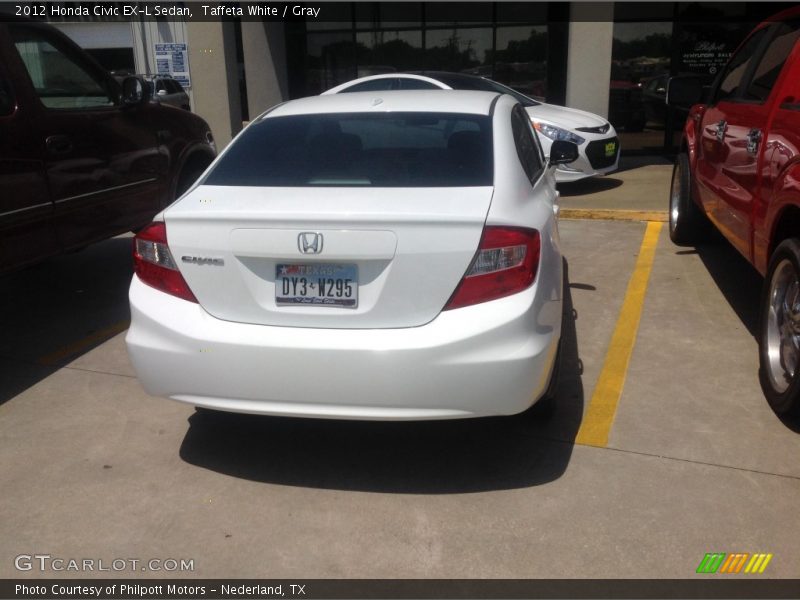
x: 244, y: 252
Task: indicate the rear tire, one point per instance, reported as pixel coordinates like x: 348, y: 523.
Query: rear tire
x: 779, y: 337
x: 687, y: 223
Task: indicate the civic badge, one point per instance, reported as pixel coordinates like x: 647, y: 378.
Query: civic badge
x: 309, y: 242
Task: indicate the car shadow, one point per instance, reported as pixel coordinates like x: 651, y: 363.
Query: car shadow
x: 431, y: 457
x: 736, y: 278
x: 593, y: 185
x: 55, y: 311
x: 590, y: 185
x: 628, y: 163
x: 741, y: 285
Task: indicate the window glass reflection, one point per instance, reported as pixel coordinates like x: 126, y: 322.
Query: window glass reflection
x: 461, y: 13
x: 459, y: 50
x: 380, y: 15
x: 640, y: 68
x: 771, y: 64
x: 520, y: 60
x: 388, y: 51
x: 330, y: 60
x: 521, y: 12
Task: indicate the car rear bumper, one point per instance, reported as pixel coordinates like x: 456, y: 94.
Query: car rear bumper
x: 489, y: 359
x: 581, y: 169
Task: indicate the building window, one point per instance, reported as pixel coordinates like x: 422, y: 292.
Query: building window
x: 640, y: 56
x: 330, y: 59
x: 520, y: 59
x: 507, y: 43
x: 388, y: 51
x: 459, y: 50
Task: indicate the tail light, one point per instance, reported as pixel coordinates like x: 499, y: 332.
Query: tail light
x: 154, y: 264
x: 506, y: 263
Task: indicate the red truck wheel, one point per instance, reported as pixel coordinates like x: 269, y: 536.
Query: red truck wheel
x: 779, y: 342
x: 687, y: 223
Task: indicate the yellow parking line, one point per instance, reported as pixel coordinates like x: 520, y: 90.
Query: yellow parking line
x: 606, y: 214
x: 599, y: 417
x: 83, y: 343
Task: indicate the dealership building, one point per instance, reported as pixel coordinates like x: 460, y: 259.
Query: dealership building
x: 612, y: 59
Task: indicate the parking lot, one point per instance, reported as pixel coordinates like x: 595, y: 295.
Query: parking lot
x: 688, y: 459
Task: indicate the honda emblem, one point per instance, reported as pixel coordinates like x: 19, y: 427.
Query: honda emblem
x: 309, y: 242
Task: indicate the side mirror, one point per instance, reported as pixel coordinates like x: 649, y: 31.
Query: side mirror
x: 134, y: 91
x: 685, y: 91
x: 161, y: 93
x: 563, y: 152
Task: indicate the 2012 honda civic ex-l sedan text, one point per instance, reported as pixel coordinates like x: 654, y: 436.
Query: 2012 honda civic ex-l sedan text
x: 359, y: 256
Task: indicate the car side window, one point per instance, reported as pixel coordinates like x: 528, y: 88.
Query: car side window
x: 732, y: 77
x: 415, y: 84
x: 771, y: 63
x: 59, y: 79
x: 527, y: 147
x: 375, y: 85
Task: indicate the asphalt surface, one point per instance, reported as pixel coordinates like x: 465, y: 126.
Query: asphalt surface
x: 694, y: 461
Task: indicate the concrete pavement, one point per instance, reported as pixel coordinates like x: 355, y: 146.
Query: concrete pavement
x: 640, y: 184
x: 695, y: 462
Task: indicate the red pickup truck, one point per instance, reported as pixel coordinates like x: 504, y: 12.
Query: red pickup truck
x: 739, y: 169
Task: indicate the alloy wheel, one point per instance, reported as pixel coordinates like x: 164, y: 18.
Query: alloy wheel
x: 783, y: 326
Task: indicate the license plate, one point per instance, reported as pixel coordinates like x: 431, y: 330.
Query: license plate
x: 317, y: 285
x: 611, y: 149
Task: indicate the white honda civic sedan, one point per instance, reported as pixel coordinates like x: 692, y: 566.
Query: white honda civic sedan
x: 390, y: 256
x: 596, y: 138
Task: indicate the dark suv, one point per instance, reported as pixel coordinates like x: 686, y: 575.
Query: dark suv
x: 82, y: 156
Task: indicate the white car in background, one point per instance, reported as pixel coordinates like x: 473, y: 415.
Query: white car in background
x: 359, y: 256
x: 595, y: 137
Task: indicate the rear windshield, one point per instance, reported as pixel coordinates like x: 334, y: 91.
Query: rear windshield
x: 379, y: 150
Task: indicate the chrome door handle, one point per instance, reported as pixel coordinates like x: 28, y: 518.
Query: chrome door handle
x: 753, y: 139
x: 722, y: 126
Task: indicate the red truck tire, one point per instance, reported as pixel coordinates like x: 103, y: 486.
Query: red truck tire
x: 687, y: 223
x: 779, y: 338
